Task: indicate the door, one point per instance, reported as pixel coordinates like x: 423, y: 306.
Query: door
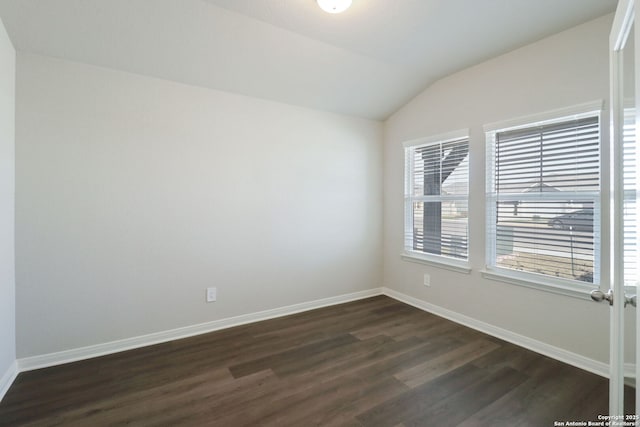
x: 624, y: 216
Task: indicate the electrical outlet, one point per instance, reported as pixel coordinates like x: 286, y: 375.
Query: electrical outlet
x: 427, y: 279
x: 211, y: 294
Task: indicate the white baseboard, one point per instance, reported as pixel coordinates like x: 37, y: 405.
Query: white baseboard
x: 8, y: 378
x: 58, y: 358
x: 560, y: 354
x: 82, y: 353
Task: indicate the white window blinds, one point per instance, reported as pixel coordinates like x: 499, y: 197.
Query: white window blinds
x: 436, y: 198
x: 543, y: 199
x: 630, y: 205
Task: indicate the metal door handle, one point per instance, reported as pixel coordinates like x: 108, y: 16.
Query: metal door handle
x: 598, y: 296
x: 630, y: 300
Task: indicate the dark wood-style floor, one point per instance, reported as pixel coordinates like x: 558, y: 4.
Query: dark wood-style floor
x: 374, y: 362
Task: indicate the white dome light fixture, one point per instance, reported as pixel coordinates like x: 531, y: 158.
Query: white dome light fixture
x: 334, y: 6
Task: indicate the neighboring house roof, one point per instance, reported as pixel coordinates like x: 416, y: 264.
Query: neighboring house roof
x: 539, y: 187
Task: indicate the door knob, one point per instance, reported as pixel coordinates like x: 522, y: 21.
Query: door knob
x: 630, y: 300
x: 599, y: 296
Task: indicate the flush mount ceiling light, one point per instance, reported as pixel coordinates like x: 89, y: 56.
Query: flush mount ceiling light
x: 334, y: 6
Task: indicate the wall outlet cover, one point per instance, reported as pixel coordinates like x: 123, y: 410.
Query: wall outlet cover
x: 212, y: 294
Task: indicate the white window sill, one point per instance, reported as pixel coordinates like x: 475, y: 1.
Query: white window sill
x: 581, y: 291
x: 437, y: 261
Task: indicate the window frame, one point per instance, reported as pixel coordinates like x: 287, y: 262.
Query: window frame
x: 408, y: 254
x: 539, y: 281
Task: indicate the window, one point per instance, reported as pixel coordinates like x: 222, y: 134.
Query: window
x: 630, y: 206
x: 437, y: 199
x: 543, y: 201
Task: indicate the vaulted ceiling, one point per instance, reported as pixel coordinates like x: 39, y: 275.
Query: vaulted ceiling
x: 366, y: 62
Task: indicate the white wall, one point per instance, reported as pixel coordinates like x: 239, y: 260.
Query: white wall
x: 564, y: 70
x: 7, y: 187
x: 134, y: 194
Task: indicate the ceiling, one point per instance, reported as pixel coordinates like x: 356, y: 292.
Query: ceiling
x: 366, y: 62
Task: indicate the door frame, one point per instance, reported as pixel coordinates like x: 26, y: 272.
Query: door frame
x: 623, y: 22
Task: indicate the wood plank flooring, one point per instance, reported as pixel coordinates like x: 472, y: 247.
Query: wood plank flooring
x: 373, y: 362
